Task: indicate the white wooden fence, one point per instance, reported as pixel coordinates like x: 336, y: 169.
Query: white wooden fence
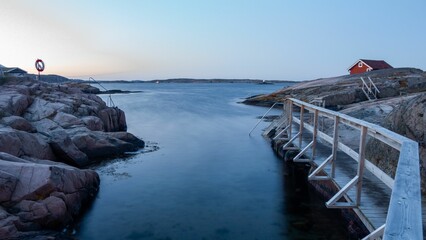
x: 404, y: 218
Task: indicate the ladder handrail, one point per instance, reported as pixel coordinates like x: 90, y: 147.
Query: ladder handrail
x: 364, y: 84
x: 264, y: 115
x: 373, y: 84
x: 110, y: 101
x: 369, y: 87
x: 366, y: 93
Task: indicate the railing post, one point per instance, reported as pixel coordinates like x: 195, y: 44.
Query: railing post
x: 290, y: 118
x: 361, y: 163
x: 335, y: 145
x: 314, y: 135
x: 302, y: 108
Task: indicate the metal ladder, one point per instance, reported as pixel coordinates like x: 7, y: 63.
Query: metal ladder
x: 369, y: 88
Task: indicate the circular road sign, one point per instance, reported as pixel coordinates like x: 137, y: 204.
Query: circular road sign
x: 39, y: 64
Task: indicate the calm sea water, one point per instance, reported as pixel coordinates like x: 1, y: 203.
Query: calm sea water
x: 208, y: 180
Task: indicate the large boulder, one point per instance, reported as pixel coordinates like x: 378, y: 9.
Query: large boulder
x: 7, y: 224
x: 93, y: 123
x: 114, y: 119
x: 18, y: 123
x: 13, y: 103
x: 7, y: 185
x: 9, y: 142
x: 45, y: 125
x: 19, y: 143
x: 407, y: 119
x: 103, y: 144
x: 41, y: 109
x: 65, y: 150
x: 128, y: 137
x: 86, y: 88
x: 44, y: 195
x: 344, y: 97
x: 67, y: 120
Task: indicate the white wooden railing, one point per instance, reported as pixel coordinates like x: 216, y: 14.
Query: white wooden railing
x: 404, y: 218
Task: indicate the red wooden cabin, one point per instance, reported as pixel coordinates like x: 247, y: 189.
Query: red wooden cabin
x: 364, y: 65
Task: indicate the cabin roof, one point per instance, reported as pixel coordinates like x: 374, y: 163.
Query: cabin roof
x: 374, y: 64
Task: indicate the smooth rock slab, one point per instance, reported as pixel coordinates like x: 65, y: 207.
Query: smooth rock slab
x: 67, y: 120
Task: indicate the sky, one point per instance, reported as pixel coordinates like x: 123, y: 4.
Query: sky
x: 159, y: 39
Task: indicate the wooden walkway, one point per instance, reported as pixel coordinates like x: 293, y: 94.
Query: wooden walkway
x: 375, y: 195
x: 389, y: 208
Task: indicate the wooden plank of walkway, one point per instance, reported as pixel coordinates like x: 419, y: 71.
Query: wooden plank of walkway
x: 375, y: 195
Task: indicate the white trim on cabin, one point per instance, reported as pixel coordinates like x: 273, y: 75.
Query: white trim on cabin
x: 359, y: 61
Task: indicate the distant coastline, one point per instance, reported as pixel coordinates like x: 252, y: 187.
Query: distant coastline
x: 194, y: 80
x: 60, y: 79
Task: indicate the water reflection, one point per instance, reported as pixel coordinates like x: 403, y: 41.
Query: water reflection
x: 209, y: 180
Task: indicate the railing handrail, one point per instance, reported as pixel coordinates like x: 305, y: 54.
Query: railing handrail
x: 369, y: 88
x: 264, y: 115
x: 364, y: 84
x: 354, y: 122
x: 404, y: 218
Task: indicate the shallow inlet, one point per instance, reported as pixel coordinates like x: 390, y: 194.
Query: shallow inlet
x: 209, y: 179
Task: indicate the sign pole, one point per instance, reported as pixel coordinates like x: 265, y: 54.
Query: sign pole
x: 39, y: 65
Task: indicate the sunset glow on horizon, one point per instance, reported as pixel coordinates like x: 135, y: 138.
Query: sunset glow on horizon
x: 143, y: 40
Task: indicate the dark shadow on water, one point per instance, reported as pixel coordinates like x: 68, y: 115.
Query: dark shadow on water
x: 149, y: 147
x: 305, y: 208
x: 108, y: 167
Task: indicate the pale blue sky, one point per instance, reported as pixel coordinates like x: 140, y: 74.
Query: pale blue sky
x: 287, y: 40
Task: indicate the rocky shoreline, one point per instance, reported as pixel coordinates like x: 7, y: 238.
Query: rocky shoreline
x: 400, y: 106
x: 48, y: 133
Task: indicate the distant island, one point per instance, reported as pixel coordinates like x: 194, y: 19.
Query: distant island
x: 51, y: 78
x: 194, y: 80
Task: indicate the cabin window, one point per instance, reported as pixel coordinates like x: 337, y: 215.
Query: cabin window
x: 360, y: 64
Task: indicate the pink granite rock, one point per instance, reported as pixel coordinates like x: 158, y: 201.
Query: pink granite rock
x: 43, y: 195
